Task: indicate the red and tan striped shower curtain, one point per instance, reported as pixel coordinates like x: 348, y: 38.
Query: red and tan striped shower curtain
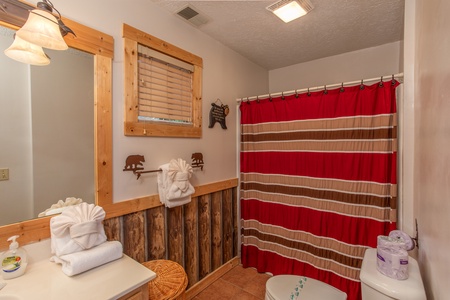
x: 318, y: 181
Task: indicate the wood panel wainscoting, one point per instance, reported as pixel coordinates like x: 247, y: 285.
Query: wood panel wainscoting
x: 202, y: 236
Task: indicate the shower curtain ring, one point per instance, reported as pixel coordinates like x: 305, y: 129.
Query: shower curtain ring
x: 325, y: 91
x: 381, y: 82
x: 270, y: 98
x: 309, y: 93
x: 248, y: 101
x: 282, y: 96
x: 342, y: 87
x: 393, y: 80
x: 257, y: 99
x: 361, y: 87
x: 296, y: 94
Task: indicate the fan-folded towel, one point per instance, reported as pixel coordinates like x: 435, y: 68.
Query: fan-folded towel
x: 77, y: 228
x: 174, y: 187
x: 79, y: 262
x: 60, y: 206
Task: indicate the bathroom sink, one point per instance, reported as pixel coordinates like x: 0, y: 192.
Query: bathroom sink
x: 9, y: 297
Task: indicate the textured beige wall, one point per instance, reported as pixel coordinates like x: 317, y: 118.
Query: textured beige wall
x: 356, y: 65
x: 226, y: 75
x: 432, y: 144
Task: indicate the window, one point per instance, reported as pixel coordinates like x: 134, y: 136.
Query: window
x: 162, y: 87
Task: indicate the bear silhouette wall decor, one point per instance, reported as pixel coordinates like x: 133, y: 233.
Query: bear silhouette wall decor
x: 218, y: 114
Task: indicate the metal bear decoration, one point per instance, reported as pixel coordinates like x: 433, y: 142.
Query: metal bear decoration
x: 197, y: 160
x: 134, y: 162
x: 218, y: 114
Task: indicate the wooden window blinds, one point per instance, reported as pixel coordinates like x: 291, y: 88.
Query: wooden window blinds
x: 162, y: 87
x: 165, y: 88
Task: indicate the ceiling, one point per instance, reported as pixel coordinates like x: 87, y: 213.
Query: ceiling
x: 332, y: 27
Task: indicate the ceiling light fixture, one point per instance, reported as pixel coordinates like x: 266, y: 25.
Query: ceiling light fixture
x: 42, y: 29
x: 288, y: 10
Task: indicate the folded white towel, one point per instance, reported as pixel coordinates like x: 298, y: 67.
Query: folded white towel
x: 79, y: 262
x: 173, y: 183
x: 162, y: 182
x: 179, y: 173
x: 60, y: 206
x: 178, y: 202
x: 53, y: 211
x: 77, y: 228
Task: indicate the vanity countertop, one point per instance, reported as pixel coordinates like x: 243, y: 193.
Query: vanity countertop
x: 45, y: 280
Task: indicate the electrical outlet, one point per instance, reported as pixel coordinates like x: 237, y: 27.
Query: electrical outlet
x: 4, y: 174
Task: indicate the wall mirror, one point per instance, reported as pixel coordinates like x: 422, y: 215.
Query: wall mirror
x: 48, y: 145
x: 99, y: 47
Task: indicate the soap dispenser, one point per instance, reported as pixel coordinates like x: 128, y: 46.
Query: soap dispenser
x: 14, y: 261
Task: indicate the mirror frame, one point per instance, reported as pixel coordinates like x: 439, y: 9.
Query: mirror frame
x: 101, y: 46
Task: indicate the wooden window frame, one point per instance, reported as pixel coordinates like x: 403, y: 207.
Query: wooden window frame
x: 132, y: 127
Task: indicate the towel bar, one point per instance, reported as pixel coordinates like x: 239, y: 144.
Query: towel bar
x: 135, y: 163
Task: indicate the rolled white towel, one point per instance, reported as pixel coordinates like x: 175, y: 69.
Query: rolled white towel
x: 79, y: 262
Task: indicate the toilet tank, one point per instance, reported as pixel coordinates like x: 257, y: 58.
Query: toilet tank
x: 376, y: 286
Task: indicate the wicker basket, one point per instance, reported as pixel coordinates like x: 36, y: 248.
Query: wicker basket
x: 170, y: 282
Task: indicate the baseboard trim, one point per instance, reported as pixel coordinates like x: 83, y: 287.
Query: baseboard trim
x: 210, y: 278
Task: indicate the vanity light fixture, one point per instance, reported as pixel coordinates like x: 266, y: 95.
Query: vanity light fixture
x: 43, y: 30
x: 27, y: 53
x: 289, y: 10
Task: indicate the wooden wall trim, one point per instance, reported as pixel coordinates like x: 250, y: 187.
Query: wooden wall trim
x: 29, y: 232
x: 153, y: 42
x: 215, y: 187
x: 137, y: 204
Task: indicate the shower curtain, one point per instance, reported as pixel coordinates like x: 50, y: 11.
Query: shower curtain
x: 318, y: 181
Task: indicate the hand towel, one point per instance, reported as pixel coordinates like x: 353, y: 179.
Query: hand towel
x: 179, y: 173
x: 77, y: 228
x: 79, y: 262
x: 173, y: 183
x: 178, y: 202
x: 162, y: 179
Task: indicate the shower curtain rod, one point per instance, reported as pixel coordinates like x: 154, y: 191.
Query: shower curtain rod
x: 397, y: 76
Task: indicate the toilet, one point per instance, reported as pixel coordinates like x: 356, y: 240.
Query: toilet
x: 282, y: 287
x: 376, y: 286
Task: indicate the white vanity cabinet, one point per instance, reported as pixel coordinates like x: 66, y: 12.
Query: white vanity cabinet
x: 140, y: 293
x: 120, y: 279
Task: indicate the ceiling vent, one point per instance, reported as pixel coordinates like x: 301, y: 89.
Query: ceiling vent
x: 192, y: 16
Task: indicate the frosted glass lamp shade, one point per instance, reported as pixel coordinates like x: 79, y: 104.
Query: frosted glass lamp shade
x: 28, y: 53
x: 42, y: 29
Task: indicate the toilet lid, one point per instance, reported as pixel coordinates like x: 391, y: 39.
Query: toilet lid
x: 301, y: 287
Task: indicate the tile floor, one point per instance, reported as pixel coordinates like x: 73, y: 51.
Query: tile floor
x: 237, y: 284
